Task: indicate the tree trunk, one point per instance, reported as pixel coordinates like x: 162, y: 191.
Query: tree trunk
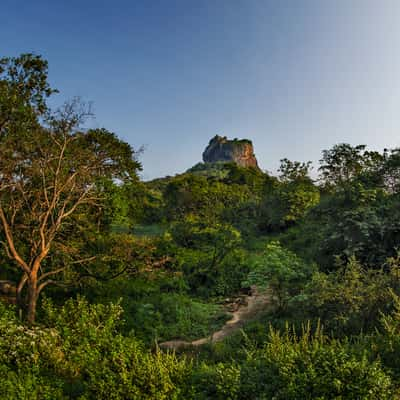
x: 32, y: 299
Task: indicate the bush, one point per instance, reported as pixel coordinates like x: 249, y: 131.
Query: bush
x: 350, y: 300
x: 219, y: 382
x: 295, y: 367
x: 281, y: 271
x: 81, y: 355
x: 309, y: 366
x: 25, y: 358
x: 107, y: 364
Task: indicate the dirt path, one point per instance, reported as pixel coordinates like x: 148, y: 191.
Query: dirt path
x: 253, y: 305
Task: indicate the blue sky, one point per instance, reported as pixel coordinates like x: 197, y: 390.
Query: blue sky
x: 294, y: 76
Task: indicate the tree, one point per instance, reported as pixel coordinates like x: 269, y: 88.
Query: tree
x: 344, y: 163
x: 23, y: 92
x: 287, y: 200
x: 290, y: 171
x: 279, y: 270
x: 47, y: 174
x: 210, y: 255
x: 390, y: 172
x: 211, y: 199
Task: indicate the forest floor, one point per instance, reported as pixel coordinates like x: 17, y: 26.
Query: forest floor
x: 245, y: 309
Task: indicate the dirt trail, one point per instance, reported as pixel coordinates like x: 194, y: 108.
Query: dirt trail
x: 253, y: 304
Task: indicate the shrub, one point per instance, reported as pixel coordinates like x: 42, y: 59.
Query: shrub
x: 310, y: 366
x: 279, y: 270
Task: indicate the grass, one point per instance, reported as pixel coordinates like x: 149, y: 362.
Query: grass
x: 149, y: 230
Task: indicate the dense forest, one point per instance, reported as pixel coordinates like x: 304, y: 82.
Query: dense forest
x: 116, y: 288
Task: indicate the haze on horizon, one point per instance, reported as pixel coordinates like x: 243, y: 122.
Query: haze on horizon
x: 295, y: 77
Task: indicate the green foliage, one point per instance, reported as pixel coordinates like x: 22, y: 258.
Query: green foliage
x: 170, y: 248
x: 357, y: 221
x: 292, y: 366
x: 290, y: 171
x: 312, y: 367
x: 222, y: 192
x: 281, y: 271
x: 29, y: 385
x: 210, y: 256
x: 149, y: 230
x: 184, y: 318
x: 209, y: 199
x: 157, y: 307
x: 82, y: 355
x: 388, y: 345
x: 350, y: 300
x: 23, y: 92
x: 385, y: 342
x: 184, y: 195
x: 89, y: 332
x: 288, y: 200
x: 218, y: 170
x: 299, y: 197
x: 343, y: 164
x: 25, y: 354
x: 389, y: 174
x: 220, y: 382
x: 358, y: 213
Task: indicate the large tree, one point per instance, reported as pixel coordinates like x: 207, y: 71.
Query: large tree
x: 48, y: 172
x: 288, y: 198
x: 343, y: 164
x: 24, y: 88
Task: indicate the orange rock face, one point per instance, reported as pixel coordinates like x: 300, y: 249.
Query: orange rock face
x: 239, y: 151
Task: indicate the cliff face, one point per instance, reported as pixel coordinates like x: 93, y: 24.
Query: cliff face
x: 239, y: 151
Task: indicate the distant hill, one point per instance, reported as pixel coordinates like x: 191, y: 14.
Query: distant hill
x: 224, y: 159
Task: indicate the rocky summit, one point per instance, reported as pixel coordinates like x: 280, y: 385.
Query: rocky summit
x: 221, y: 149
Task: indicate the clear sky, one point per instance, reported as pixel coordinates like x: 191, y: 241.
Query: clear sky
x: 294, y: 76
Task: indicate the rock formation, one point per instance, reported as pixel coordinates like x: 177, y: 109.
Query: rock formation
x: 220, y: 149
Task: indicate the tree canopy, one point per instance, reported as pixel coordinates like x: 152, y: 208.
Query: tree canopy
x: 49, y: 170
